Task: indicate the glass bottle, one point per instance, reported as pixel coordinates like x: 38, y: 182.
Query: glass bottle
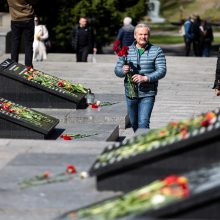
x: 90, y: 97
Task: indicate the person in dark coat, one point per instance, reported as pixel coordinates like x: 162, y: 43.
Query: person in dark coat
x: 217, y: 76
x: 207, y: 38
x: 126, y: 33
x: 192, y: 35
x: 83, y: 40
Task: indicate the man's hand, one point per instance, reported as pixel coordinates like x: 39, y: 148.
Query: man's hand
x: 126, y: 69
x: 139, y: 78
x: 217, y: 92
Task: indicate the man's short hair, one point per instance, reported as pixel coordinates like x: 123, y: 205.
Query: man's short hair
x: 141, y: 25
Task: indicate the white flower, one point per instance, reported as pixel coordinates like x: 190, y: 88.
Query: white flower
x: 98, y: 103
x: 157, y: 199
x: 84, y: 175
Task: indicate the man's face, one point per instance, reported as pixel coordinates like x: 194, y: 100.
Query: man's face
x: 142, y: 36
x: 83, y: 22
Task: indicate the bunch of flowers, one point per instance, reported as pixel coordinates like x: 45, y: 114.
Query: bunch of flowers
x: 173, y: 132
x: 123, y: 52
x: 20, y: 112
x: 75, y: 136
x: 53, y: 82
x: 153, y: 196
x: 46, y: 177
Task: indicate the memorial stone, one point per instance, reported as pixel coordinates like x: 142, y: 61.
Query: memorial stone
x: 193, y: 195
x: 17, y: 121
x: 176, y: 148
x: 154, y: 11
x: 36, y: 89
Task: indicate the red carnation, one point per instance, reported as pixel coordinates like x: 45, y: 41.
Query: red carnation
x: 60, y: 84
x: 70, y: 169
x: 66, y: 137
x: 123, y: 51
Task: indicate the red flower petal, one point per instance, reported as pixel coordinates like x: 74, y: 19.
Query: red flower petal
x: 205, y: 123
x: 46, y: 174
x: 70, y: 169
x: 66, y: 137
x: 94, y: 105
x: 170, y: 180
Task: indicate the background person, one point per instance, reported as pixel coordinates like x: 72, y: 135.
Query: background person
x: 40, y: 35
x: 83, y: 40
x: 126, y: 33
x: 217, y: 76
x: 147, y: 65
x: 207, y: 38
x: 22, y: 22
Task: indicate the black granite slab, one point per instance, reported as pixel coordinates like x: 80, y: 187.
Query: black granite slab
x: 31, y: 94
x: 203, y: 201
x: 14, y: 126
x: 199, y: 148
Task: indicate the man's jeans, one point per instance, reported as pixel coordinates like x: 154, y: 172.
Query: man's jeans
x: 139, y: 111
x: 27, y: 28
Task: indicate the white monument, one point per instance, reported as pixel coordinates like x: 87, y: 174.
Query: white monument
x: 154, y: 11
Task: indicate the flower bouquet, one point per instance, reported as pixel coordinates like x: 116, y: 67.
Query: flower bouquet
x: 52, y: 82
x: 150, y: 197
x: 123, y: 52
x: 173, y: 132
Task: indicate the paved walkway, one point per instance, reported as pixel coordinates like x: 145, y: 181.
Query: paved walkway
x: 186, y: 91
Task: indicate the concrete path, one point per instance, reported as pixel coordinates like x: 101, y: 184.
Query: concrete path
x: 186, y: 91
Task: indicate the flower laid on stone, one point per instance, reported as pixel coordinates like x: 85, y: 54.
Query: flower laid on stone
x: 153, y: 196
x: 102, y: 104
x: 21, y: 112
x: 173, y: 132
x: 52, y: 82
x: 46, y: 177
x: 75, y: 136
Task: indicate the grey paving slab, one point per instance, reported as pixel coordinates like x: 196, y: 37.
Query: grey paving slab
x: 113, y: 114
x: 56, y: 197
x: 10, y: 148
x: 97, y: 132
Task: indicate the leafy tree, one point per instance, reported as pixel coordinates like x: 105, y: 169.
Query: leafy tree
x: 104, y: 15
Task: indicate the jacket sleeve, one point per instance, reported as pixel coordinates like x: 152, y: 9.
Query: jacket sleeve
x: 45, y: 34
x: 160, y: 67
x: 118, y: 68
x: 120, y: 34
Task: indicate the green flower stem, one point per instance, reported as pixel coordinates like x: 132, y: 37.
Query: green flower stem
x: 132, y: 87
x: 136, y: 201
x: 41, y: 180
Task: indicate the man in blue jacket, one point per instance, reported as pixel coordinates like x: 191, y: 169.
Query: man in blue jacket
x: 144, y: 65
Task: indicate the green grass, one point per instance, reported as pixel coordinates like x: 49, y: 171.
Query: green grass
x: 165, y: 39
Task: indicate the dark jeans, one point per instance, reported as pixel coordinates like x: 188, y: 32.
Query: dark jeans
x: 27, y: 28
x: 82, y: 54
x: 139, y: 111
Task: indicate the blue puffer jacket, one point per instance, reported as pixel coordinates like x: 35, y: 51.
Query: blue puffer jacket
x: 151, y: 63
